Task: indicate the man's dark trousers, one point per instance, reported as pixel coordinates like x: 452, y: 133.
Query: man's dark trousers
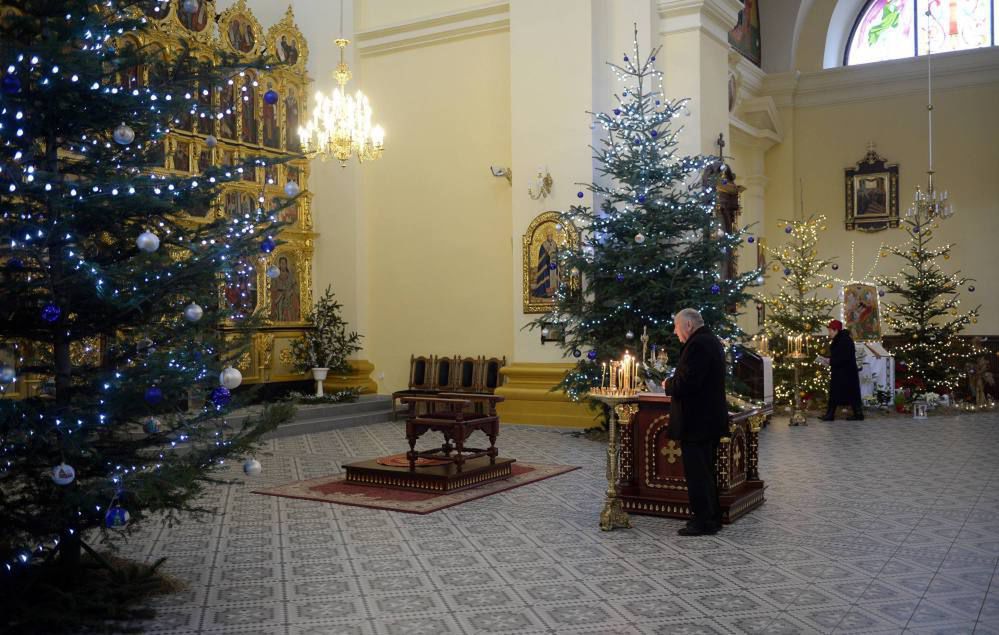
x: 702, y: 488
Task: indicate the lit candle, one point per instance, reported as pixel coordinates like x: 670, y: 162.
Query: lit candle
x: 603, y: 374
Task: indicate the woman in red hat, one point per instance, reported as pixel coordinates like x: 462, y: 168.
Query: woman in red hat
x: 844, y: 386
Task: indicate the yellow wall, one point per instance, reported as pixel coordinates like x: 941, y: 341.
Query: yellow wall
x: 827, y: 139
x: 380, y: 13
x: 437, y: 222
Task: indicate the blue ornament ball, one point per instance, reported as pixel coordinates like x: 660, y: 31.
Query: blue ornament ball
x: 654, y: 133
x: 657, y: 101
x: 617, y: 111
x: 51, y: 313
x: 11, y: 84
x: 788, y: 229
x: 579, y: 195
x: 220, y: 396
x: 653, y: 58
x: 787, y: 272
x: 577, y: 353
x: 268, y: 245
x: 553, y: 266
x: 619, y: 277
x: 625, y: 58
x: 641, y: 198
x: 592, y: 355
x: 271, y: 97
x: 715, y: 289
x: 624, y: 93
x: 15, y: 264
x: 750, y: 240
x: 116, y: 517
x: 915, y: 230
x: 154, y: 395
x: 881, y: 294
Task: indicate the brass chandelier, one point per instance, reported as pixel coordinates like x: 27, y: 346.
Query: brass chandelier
x: 340, y: 125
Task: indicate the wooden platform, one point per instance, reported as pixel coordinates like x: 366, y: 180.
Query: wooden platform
x: 436, y: 478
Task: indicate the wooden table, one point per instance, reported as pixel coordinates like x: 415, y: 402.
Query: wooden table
x: 456, y: 416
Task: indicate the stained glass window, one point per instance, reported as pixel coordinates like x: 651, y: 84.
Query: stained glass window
x: 893, y: 29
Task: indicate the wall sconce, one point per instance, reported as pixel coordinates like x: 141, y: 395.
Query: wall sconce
x: 543, y: 183
x: 498, y: 171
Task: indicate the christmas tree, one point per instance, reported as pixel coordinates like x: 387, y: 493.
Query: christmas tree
x: 656, y: 244
x: 797, y: 308
x: 110, y: 289
x: 924, y: 311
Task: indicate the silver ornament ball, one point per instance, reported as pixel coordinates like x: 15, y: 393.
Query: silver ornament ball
x: 273, y: 272
x: 190, y: 6
x: 7, y: 374
x: 639, y: 238
x: 252, y: 467
x: 147, y: 242
x: 630, y: 335
x: 292, y: 189
x: 211, y: 141
x: 193, y: 312
x: 230, y: 377
x: 123, y: 135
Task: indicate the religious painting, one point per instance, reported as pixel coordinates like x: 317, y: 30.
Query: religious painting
x: 240, y: 33
x: 862, y: 311
x: 292, y: 141
x: 285, y: 292
x: 240, y: 290
x: 156, y: 9
x: 228, y: 158
x: 227, y: 104
x: 270, y: 174
x: 181, y: 156
x: 872, y: 194
x: 287, y: 49
x: 286, y: 212
x: 204, y: 160
x: 249, y: 109
x: 745, y: 37
x: 272, y: 133
x: 293, y: 173
x: 546, y: 236
x: 195, y: 20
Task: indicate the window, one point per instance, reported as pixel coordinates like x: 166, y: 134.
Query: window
x: 893, y: 29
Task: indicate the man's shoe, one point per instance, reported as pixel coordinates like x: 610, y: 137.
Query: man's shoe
x: 855, y: 418
x: 692, y: 530
x: 827, y: 418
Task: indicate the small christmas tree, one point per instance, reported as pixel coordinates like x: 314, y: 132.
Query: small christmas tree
x: 924, y: 311
x: 112, y: 289
x: 657, y: 243
x: 797, y: 308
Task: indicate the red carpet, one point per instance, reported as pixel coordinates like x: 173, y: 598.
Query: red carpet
x: 332, y: 489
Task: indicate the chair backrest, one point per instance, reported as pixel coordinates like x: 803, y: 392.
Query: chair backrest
x: 491, y: 373
x: 445, y: 373
x: 421, y: 370
x: 467, y: 374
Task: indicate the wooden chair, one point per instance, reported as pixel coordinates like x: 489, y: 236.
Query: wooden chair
x: 452, y: 414
x: 467, y: 377
x: 445, y: 373
x: 491, y: 379
x: 421, y: 375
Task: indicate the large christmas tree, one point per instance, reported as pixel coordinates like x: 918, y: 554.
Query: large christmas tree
x: 656, y: 244
x: 110, y: 290
x: 797, y: 307
x: 924, y: 311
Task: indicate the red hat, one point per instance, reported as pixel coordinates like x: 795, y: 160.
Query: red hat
x: 835, y: 325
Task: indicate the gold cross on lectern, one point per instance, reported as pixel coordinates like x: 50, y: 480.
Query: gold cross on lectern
x: 671, y: 452
x: 737, y: 455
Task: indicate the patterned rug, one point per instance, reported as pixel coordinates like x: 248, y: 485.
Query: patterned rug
x: 400, y: 460
x: 332, y: 489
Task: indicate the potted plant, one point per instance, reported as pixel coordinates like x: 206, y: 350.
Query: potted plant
x: 327, y: 344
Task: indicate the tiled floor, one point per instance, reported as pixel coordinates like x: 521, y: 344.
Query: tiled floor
x: 880, y: 526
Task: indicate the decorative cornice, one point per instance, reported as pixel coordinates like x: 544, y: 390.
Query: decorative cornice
x: 714, y: 17
x: 481, y: 20
x: 883, y: 79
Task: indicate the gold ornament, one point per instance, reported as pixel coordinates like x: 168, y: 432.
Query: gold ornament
x: 974, y: 320
x: 946, y: 256
x: 824, y: 228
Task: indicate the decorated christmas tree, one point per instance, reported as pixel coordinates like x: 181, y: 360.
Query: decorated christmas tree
x: 110, y: 294
x: 797, y: 309
x: 655, y: 245
x: 923, y: 310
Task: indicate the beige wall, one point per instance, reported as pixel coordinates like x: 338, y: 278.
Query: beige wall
x: 381, y: 13
x: 827, y: 139
x: 438, y: 224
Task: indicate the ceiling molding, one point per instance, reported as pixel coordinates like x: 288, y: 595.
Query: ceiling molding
x: 715, y: 18
x: 481, y: 20
x: 880, y: 80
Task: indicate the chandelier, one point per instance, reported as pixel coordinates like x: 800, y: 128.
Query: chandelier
x: 931, y: 203
x: 341, y: 124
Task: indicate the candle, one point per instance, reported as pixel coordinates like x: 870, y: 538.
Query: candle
x: 603, y: 373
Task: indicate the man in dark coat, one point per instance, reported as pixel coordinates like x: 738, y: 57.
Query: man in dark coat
x: 844, y: 386
x: 698, y: 417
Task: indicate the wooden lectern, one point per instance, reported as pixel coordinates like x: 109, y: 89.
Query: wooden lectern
x: 651, y: 479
